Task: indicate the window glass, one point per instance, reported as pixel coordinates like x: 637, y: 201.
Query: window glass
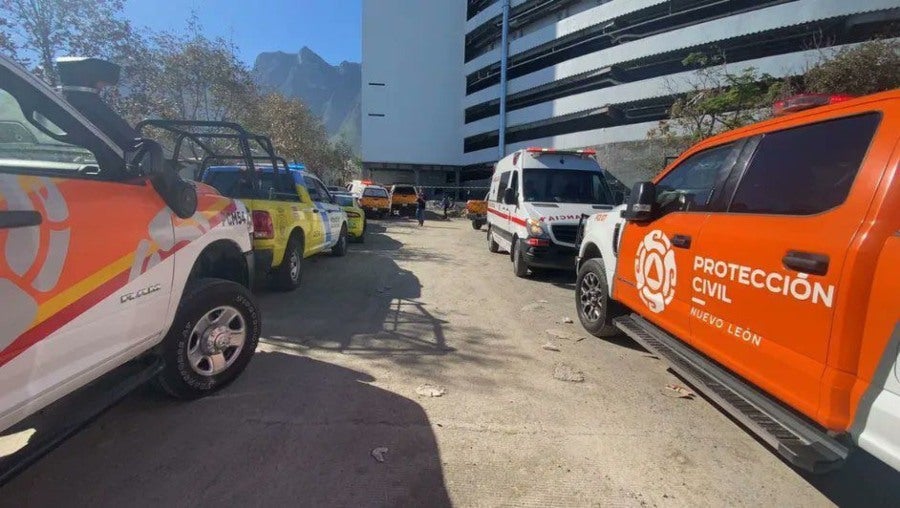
x: 312, y: 189
x: 565, y: 186
x: 690, y: 185
x: 323, y: 191
x: 34, y: 139
x: 501, y: 187
x: 375, y: 192
x: 805, y: 170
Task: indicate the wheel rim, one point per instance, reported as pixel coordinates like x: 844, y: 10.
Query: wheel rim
x: 295, y: 265
x: 216, y: 341
x: 590, y: 296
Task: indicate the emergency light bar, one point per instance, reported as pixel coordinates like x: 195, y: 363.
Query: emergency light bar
x: 588, y: 152
x: 807, y: 101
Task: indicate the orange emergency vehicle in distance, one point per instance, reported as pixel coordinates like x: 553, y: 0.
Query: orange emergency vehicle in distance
x: 764, y: 266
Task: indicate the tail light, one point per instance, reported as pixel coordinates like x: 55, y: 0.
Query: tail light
x: 807, y: 101
x: 263, y: 228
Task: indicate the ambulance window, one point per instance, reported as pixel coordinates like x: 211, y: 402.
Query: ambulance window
x: 501, y: 188
x: 689, y: 186
x: 805, y: 170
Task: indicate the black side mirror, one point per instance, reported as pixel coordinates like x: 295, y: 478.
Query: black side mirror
x: 178, y: 194
x: 509, y: 196
x: 641, y: 202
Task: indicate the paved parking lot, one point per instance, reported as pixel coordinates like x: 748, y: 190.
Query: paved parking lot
x: 337, y: 376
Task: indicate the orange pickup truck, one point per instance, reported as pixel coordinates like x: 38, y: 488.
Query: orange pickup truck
x: 764, y: 266
x: 476, y: 211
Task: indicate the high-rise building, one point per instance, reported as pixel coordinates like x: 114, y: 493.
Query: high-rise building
x: 578, y: 72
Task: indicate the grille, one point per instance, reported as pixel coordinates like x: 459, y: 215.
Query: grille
x: 565, y: 233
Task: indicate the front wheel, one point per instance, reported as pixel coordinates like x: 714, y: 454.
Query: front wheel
x: 596, y: 309
x: 520, y: 266
x: 476, y: 224
x: 340, y: 248
x: 212, y: 339
x: 492, y: 245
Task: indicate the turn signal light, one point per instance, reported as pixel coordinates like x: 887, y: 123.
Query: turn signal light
x: 263, y: 228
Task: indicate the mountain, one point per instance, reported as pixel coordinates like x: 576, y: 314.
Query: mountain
x: 332, y: 92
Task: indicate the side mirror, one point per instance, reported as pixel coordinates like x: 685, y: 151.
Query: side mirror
x: 509, y: 196
x: 178, y: 194
x: 641, y: 202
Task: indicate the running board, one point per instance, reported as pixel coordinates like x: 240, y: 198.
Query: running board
x: 798, y: 441
x: 60, y: 420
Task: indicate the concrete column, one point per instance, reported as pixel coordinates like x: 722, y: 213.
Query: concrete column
x: 418, y: 182
x: 458, y: 192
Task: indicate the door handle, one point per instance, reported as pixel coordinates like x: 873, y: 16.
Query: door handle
x: 806, y: 262
x: 681, y: 241
x: 20, y: 219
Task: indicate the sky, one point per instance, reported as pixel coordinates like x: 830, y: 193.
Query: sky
x: 331, y: 28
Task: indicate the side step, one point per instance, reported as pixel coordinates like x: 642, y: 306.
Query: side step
x: 60, y: 420
x: 798, y: 441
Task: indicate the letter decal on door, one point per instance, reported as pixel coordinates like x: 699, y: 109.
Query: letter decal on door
x: 655, y: 272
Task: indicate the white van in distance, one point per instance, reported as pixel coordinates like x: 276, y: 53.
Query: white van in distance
x: 536, y: 200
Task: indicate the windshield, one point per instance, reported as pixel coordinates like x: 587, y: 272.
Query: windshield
x: 343, y: 199
x: 565, y: 186
x: 375, y: 192
x: 405, y: 191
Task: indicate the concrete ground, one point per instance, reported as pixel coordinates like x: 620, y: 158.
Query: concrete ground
x: 337, y: 375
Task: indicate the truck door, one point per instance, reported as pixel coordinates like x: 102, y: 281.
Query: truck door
x: 84, y: 275
x: 500, y: 213
x: 656, y: 257
x: 768, y: 271
x: 332, y: 214
x: 317, y: 223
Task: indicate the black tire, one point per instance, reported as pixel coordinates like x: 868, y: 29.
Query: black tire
x: 340, y: 248
x: 520, y: 266
x: 179, y: 378
x: 595, y: 308
x: 476, y: 224
x: 492, y: 245
x: 285, y: 277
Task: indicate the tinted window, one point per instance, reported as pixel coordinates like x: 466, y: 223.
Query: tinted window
x: 807, y: 169
x: 565, y: 186
x: 501, y: 187
x: 312, y: 189
x: 404, y: 191
x: 344, y: 200
x: 375, y: 192
x: 690, y: 185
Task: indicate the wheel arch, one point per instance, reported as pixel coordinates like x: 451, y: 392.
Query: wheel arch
x: 221, y: 259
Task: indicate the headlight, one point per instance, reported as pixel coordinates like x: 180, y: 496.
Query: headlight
x: 534, y: 228
x: 353, y: 215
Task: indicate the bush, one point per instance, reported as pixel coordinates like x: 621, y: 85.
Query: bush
x: 870, y: 67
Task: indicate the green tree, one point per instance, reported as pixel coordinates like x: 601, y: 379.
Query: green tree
x: 717, y: 100
x: 870, y: 67
x: 52, y: 28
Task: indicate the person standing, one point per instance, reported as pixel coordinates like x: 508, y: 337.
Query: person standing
x: 420, y: 207
x: 446, y: 204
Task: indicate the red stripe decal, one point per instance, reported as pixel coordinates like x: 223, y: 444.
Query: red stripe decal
x: 64, y: 316
x: 512, y: 218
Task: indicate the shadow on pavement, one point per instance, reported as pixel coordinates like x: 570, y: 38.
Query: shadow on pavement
x: 862, y: 481
x: 291, y: 431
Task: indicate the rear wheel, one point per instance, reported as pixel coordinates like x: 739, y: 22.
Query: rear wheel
x: 287, y: 276
x: 211, y: 341
x: 476, y: 224
x: 340, y: 248
x: 492, y: 245
x: 595, y: 308
x: 520, y: 266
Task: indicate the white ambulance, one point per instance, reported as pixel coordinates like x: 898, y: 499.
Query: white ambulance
x: 536, y: 200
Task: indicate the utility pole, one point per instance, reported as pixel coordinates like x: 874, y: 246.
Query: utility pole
x: 504, y: 59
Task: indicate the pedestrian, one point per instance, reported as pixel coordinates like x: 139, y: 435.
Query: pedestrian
x: 420, y: 207
x: 446, y: 202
